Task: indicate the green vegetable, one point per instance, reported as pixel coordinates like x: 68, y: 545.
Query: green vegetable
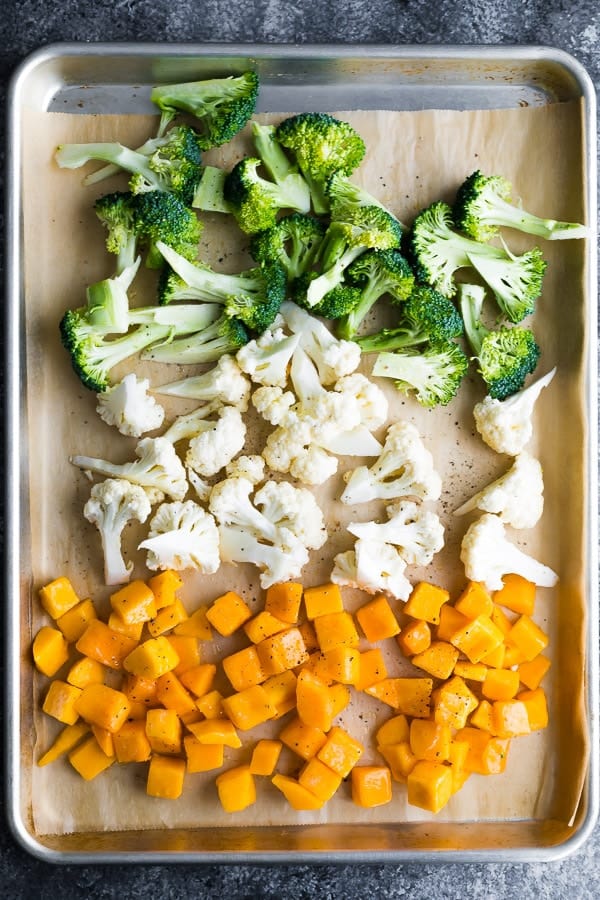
x: 225, y: 335
x: 426, y: 317
x: 433, y: 375
x: 376, y: 273
x: 294, y: 242
x: 337, y: 303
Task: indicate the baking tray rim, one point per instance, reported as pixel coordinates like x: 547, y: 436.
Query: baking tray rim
x: 12, y: 448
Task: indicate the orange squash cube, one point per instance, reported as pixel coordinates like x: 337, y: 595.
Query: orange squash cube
x: 283, y: 601
x: 61, y: 702
x: 319, y: 779
x: 172, y: 694
x: 104, y: 739
x: 244, y: 668
x: 487, y: 754
x: 500, y: 619
x: 536, y: 706
x: 134, y: 603
x: 411, y: 696
x: 50, y: 650
x: 199, y: 680
x: 164, y: 585
x: 211, y: 705
x: 89, y: 760
x: 371, y: 786
x: 510, y: 718
x: 105, y: 645
x: 531, y: 673
x: 58, y: 597
x: 478, y: 638
x: 228, y: 613
x: 249, y: 707
x: 340, y: 698
x: 303, y: 739
x: 216, y: 731
x: 202, y: 757
x: 323, y: 600
x: 281, y: 692
x: 340, y: 751
x: 236, y: 789
x: 163, y: 730
x: 299, y: 797
x: 141, y: 690
x: 527, y: 637
x: 101, y: 705
x: 474, y: 601
x: 430, y: 740
x: 85, y: 671
x: 393, y: 731
x: 400, y: 759
x: 517, y: 594
x: 314, y: 701
x: 196, y: 625
x: 153, y: 658
x: 500, y: 684
x: 429, y: 785
x: 66, y: 740
x: 470, y: 671
x: 74, y: 622
x: 451, y: 622
x: 496, y: 658
x: 130, y: 742
x: 415, y: 637
x: 166, y: 775
x: 133, y: 631
x: 426, y: 601
x: 452, y: 702
x: 282, y: 651
x: 167, y: 618
x: 438, y: 660
x: 262, y: 626
x: 377, y: 620
x: 186, y: 648
x: 482, y: 717
x: 265, y: 757
x: 371, y: 669
x: 335, y: 630
x: 309, y: 636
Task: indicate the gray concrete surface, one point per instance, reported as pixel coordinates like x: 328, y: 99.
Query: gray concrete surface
x: 573, y: 26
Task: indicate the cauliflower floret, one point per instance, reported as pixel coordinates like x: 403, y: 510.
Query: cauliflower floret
x: 249, y: 467
x: 291, y: 448
x: 372, y: 566
x: 158, y: 469
x: 276, y: 539
x: 200, y: 485
x: 404, y: 469
x: 266, y: 359
x: 112, y: 504
x: 371, y: 400
x: 273, y: 404
x: 128, y: 406
x: 224, y: 383
x: 332, y: 357
x: 487, y: 555
x: 417, y: 533
x: 313, y: 465
x: 182, y: 536
x: 505, y: 425
x: 212, y: 449
x: 517, y: 496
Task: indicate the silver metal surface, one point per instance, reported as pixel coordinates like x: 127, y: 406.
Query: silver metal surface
x: 97, y: 78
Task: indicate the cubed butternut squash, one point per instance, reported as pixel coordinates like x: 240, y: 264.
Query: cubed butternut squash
x: 532, y: 673
x: 335, y: 630
x: 283, y: 601
x: 527, y: 637
x: 89, y: 760
x: 415, y: 637
x: 474, y: 601
x: 163, y: 730
x: 265, y: 756
x: 340, y: 751
x: 216, y: 731
x: 134, y: 602
x: 105, y: 645
x: 282, y: 651
x: 85, y: 671
x: 196, y: 625
x: 202, y: 757
x: 249, y: 707
x: 393, y: 731
x: 377, y: 619
x: 101, y: 705
x: 371, y: 786
x: 477, y: 638
x: 314, y: 701
x: 133, y: 630
x: 244, y: 669
x: 319, y: 779
x: 164, y: 585
x: 58, y: 596
x: 167, y: 618
x: 61, y: 702
x: 298, y: 796
x: 371, y: 669
x: 236, y: 789
x: 411, y: 696
x: 263, y: 625
x: 303, y: 739
x: 166, y: 775
x: 211, y: 705
x: 199, y: 680
x: 66, y: 740
x: 430, y: 740
x: 400, y: 759
x: 322, y: 600
x: 187, y: 649
x: 152, y: 658
x: 74, y: 622
x: 429, y: 785
x: 500, y: 684
x: 517, y: 594
x: 281, y: 691
x: 453, y: 701
x: 228, y: 613
x: 50, y: 650
x: 510, y: 718
x: 425, y: 602
x: 131, y: 743
x: 438, y: 660
x: 536, y: 706
x: 173, y: 695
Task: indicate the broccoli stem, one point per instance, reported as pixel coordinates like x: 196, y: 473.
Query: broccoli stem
x: 108, y: 303
x: 471, y: 305
x: 349, y: 324
x: 209, y: 194
x: 146, y: 149
x: 329, y: 279
x: 73, y: 156
x: 204, y: 283
x: 503, y: 213
x: 203, y: 347
x: 271, y: 153
x: 391, y: 339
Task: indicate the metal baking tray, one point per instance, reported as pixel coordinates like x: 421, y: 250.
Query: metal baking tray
x: 102, y: 78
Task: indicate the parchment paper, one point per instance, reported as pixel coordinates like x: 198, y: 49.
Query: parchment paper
x: 413, y: 159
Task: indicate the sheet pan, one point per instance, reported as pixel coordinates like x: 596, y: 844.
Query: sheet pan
x: 115, y: 79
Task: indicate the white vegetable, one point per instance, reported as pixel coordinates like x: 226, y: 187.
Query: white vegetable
x: 405, y: 468
x: 274, y: 533
x: 291, y: 448
x: 517, y: 496
x: 372, y: 566
x: 416, y: 532
x: 506, y: 425
x: 332, y: 357
x: 250, y: 467
x: 201, y: 486
x: 112, y: 504
x: 158, y: 468
x: 487, y: 555
x: 128, y: 406
x: 266, y: 359
x: 371, y: 400
x: 182, y: 536
x: 225, y: 383
x: 213, y: 448
x: 273, y: 404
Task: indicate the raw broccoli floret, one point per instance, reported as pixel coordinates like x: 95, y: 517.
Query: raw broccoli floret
x: 174, y: 165
x: 366, y: 228
x: 483, y: 205
x: 116, y: 213
x: 222, y: 106
x: 515, y: 281
x: 337, y: 303
x: 427, y: 317
x: 433, y: 374
x: 376, y: 272
x: 255, y: 201
x: 505, y: 355
x: 322, y: 145
x: 343, y: 194
x: 253, y: 296
x: 210, y: 191
x: 293, y: 242
x: 93, y: 355
x: 225, y: 335
x: 107, y: 303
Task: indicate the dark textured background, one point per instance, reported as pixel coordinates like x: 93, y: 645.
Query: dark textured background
x: 572, y: 25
